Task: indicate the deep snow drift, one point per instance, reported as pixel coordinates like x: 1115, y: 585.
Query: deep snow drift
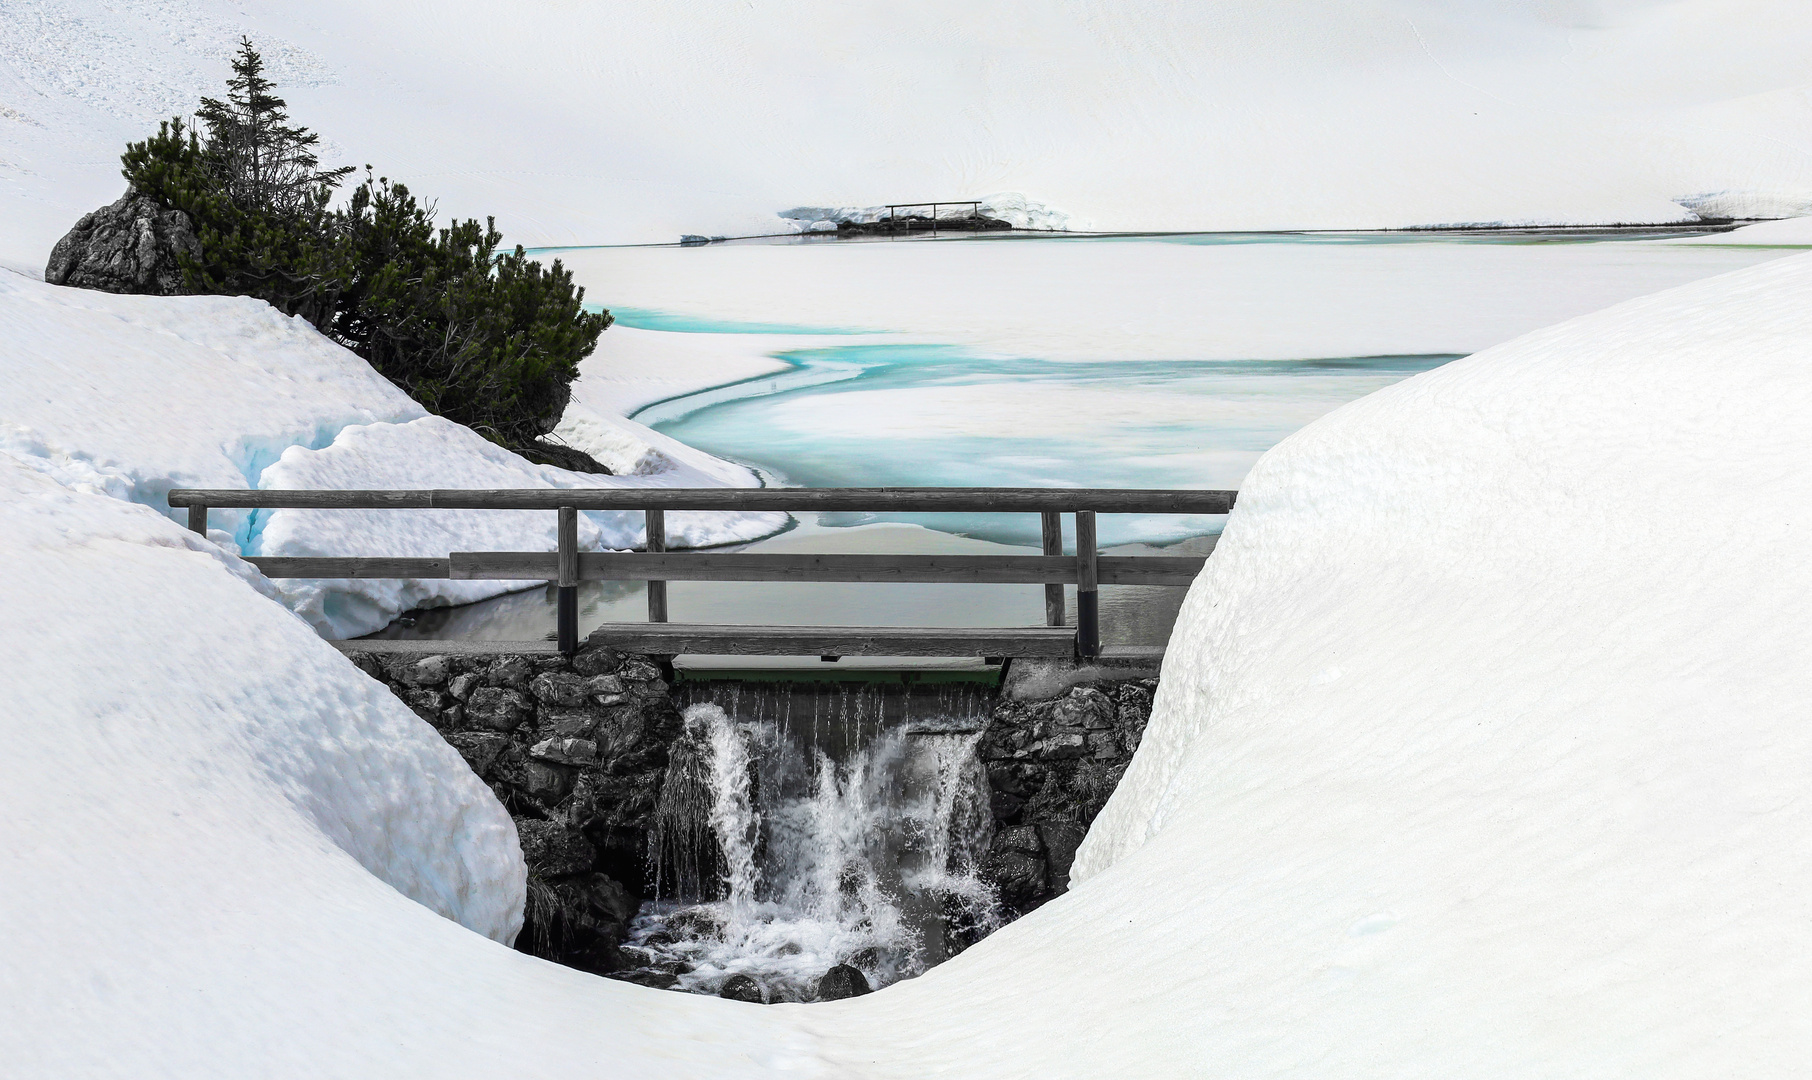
x: 1480, y: 747
x: 132, y: 396
x: 1479, y: 752
x: 640, y: 121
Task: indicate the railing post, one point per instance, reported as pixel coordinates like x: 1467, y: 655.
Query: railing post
x: 567, y: 604
x: 198, y: 520
x: 1088, y: 596
x: 1053, y: 545
x: 657, y: 541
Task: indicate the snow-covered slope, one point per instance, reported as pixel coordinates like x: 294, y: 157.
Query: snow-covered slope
x: 132, y: 396
x: 643, y: 119
x: 228, y: 852
x: 1480, y: 749
x: 1480, y: 752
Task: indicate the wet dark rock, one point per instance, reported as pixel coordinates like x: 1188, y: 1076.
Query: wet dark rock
x: 558, y: 688
x: 553, y: 851
x: 742, y: 988
x: 545, y: 783
x: 132, y: 245
x: 511, y: 671
x: 597, y: 660
x: 659, y: 980
x: 640, y: 671
x: 1019, y: 877
x: 1064, y: 745
x: 428, y: 671
x: 427, y: 704
x: 605, y: 689
x: 565, y: 751
x: 479, y: 748
x: 842, y: 982
x: 462, y: 685
x: 1061, y: 839
x: 569, y: 722
x: 497, y: 708
x: 1022, y: 838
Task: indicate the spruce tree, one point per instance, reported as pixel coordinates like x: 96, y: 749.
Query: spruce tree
x: 264, y: 162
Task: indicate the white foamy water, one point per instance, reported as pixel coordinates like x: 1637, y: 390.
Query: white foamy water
x: 871, y: 861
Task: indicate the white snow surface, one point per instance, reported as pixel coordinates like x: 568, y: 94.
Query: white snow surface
x: 1480, y: 745
x: 230, y: 853
x: 132, y: 396
x: 645, y: 119
x: 1479, y: 752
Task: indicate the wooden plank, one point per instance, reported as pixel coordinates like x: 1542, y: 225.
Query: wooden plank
x: 721, y: 640
x: 1051, y: 526
x: 748, y: 566
x: 1088, y: 594
x: 656, y: 542
x: 878, y: 500
x: 440, y: 647
x: 198, y: 518
x: 285, y: 566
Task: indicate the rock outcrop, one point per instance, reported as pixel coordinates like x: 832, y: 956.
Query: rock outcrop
x: 131, y: 246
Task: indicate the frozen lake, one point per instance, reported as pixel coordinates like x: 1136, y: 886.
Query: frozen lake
x: 1111, y: 362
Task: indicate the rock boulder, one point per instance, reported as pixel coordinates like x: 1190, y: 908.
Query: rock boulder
x: 131, y: 246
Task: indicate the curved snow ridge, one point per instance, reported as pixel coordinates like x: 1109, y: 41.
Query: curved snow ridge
x: 178, y: 724
x: 1480, y: 746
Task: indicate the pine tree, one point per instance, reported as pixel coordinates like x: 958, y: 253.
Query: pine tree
x: 263, y: 162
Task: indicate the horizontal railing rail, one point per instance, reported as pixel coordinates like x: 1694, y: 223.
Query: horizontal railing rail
x: 894, y: 500
x: 1087, y: 569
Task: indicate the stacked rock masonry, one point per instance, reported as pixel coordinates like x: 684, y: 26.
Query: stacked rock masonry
x: 576, y: 749
x: 1051, y: 767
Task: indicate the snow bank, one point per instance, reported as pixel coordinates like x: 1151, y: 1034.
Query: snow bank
x: 230, y: 853
x: 642, y: 120
x: 132, y: 396
x: 1480, y: 748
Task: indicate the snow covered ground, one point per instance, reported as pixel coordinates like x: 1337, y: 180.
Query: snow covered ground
x: 132, y: 396
x: 642, y: 120
x: 1480, y: 751
x: 1480, y: 748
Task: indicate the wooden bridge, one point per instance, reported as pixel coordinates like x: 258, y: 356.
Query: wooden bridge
x: 567, y: 566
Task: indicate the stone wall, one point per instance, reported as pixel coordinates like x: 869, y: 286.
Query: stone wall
x: 576, y: 749
x: 1051, y: 766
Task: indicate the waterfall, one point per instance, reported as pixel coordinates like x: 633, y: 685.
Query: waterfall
x: 853, y: 839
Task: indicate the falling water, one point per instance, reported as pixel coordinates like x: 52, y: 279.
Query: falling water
x: 791, y: 845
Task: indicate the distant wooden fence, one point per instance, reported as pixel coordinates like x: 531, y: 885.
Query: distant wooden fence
x: 568, y: 566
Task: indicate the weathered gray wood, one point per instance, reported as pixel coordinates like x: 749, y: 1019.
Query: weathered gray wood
x: 657, y: 542
x: 1052, y: 528
x: 438, y: 647
x: 566, y: 600
x: 674, y: 638
x: 567, y: 568
x: 198, y: 519
x: 880, y: 500
x: 286, y: 566
x: 1088, y: 596
x: 750, y: 566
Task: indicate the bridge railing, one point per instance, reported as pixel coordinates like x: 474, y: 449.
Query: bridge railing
x: 567, y: 566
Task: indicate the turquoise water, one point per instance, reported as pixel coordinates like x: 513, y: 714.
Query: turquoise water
x: 649, y: 319
x: 885, y: 415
